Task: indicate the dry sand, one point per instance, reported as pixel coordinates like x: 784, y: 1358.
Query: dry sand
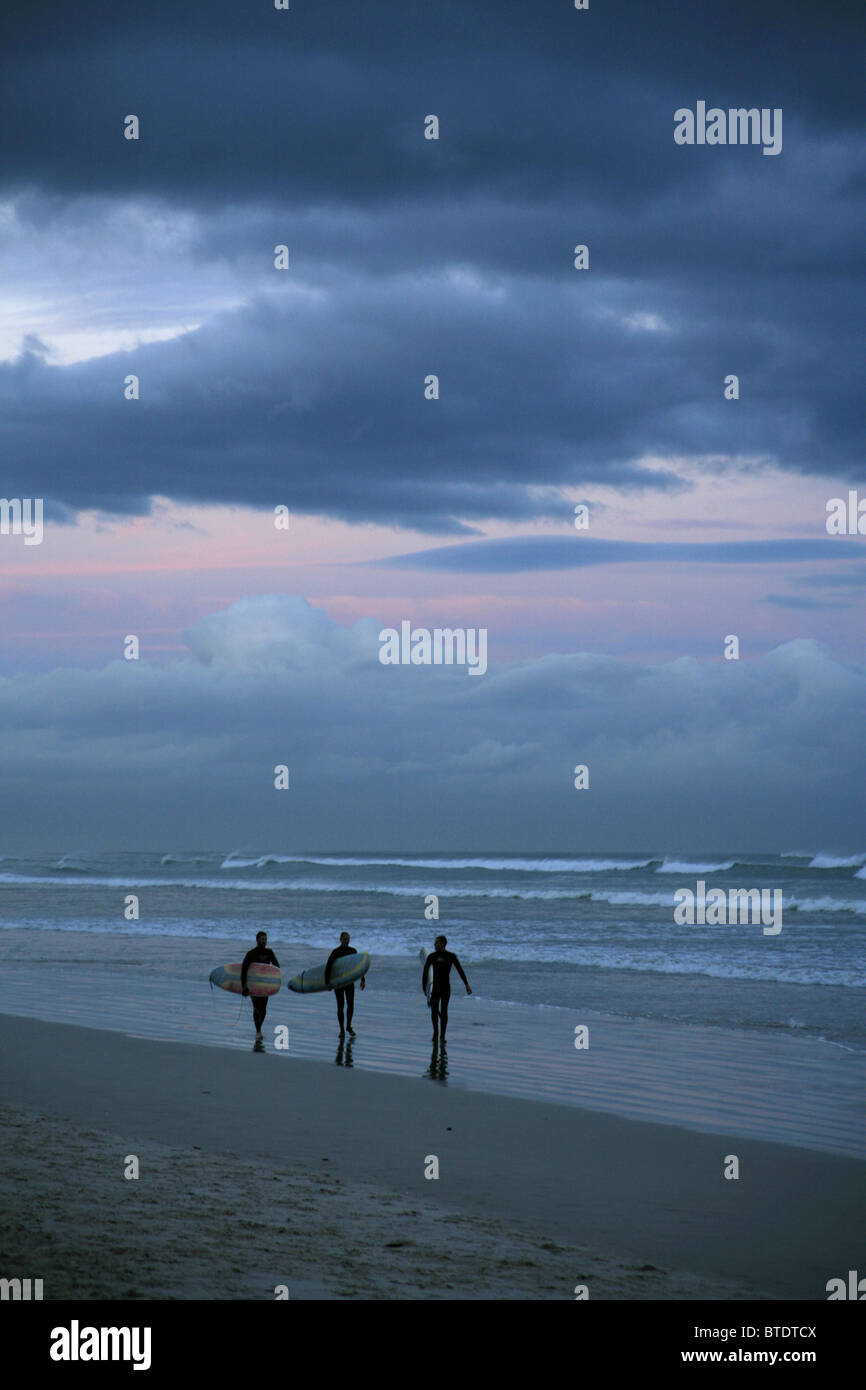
x: 214, y: 1226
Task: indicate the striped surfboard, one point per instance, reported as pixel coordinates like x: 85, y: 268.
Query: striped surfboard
x: 261, y: 979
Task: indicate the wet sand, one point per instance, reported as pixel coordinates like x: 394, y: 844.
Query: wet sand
x: 793, y: 1090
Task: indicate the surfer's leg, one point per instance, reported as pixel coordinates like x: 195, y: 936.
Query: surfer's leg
x: 443, y: 1011
x: 260, y: 1008
x: 434, y: 1014
x: 339, y: 994
x: 349, y: 992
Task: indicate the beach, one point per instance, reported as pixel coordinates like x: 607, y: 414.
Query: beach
x: 256, y: 1173
x: 781, y: 1086
x: 681, y: 1119
x: 432, y: 521
x: 266, y: 1171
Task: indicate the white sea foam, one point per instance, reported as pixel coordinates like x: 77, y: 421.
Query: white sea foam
x: 676, y: 866
x: 294, y: 886
x: 263, y: 861
x: 71, y: 865
x: 613, y: 897
x: 544, y: 866
x: 856, y: 905
x: 635, y: 899
x: 832, y: 861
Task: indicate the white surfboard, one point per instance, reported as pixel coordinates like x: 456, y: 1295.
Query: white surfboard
x: 424, y: 953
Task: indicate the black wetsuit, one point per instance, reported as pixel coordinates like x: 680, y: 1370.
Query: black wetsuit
x: 259, y: 955
x: 441, y: 963
x: 345, y: 993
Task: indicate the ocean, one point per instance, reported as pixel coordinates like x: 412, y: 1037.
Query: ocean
x: 545, y: 931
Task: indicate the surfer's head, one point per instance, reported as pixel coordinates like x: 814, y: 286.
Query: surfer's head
x: 261, y: 938
x: 344, y: 938
x: 440, y: 943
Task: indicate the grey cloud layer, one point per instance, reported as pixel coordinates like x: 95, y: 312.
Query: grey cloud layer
x: 557, y: 128
x: 521, y: 553
x: 381, y: 757
x: 317, y: 401
x: 322, y: 99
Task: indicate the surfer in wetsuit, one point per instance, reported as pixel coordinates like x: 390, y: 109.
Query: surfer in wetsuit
x: 259, y: 955
x: 345, y: 993
x: 441, y: 961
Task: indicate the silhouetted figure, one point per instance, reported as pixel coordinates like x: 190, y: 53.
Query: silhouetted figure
x: 259, y: 955
x: 345, y: 993
x: 440, y: 962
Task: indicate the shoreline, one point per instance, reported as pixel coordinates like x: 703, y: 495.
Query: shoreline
x: 635, y: 1192
x: 787, y: 1089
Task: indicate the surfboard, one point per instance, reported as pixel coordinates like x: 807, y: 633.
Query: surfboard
x: 347, y: 969
x: 261, y: 979
x: 424, y: 953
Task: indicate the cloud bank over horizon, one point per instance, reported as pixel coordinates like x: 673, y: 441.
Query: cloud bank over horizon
x: 762, y: 754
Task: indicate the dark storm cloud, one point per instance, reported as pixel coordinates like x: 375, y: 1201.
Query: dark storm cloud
x: 324, y: 99
x: 306, y: 128
x: 319, y: 404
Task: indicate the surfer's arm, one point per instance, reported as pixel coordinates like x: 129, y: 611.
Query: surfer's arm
x: 274, y: 960
x: 461, y: 974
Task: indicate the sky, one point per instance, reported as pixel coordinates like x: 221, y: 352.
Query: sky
x: 304, y: 388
